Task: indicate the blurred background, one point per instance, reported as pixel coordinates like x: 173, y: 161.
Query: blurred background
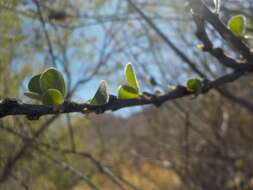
x: 191, y: 143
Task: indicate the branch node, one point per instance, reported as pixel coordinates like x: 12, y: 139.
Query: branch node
x: 152, y: 98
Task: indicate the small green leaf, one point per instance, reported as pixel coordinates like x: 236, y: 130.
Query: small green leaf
x: 194, y: 85
x: 33, y: 95
x: 127, y: 92
x: 52, y: 97
x: 131, y: 77
x: 52, y: 79
x: 237, y: 25
x: 34, y: 84
x: 101, y: 97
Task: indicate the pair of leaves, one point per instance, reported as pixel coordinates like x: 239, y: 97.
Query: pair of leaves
x: 237, y: 25
x: 48, y: 87
x: 131, y: 90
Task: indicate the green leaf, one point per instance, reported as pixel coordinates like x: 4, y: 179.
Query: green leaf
x: 101, y: 97
x: 237, y: 25
x: 34, y: 84
x: 33, y: 95
x: 194, y: 85
x: 52, y: 97
x: 127, y: 92
x: 52, y: 79
x: 131, y: 77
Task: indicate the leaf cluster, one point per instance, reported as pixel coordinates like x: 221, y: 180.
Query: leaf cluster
x: 49, y: 87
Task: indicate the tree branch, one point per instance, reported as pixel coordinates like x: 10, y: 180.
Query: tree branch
x: 33, y: 111
x: 199, y: 8
x: 218, y: 53
x: 178, y: 52
x: 48, y: 40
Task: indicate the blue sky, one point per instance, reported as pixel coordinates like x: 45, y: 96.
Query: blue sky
x: 83, y: 60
